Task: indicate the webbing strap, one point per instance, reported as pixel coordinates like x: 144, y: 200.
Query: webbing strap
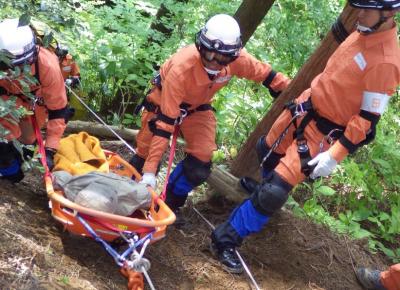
x: 170, y: 160
x: 111, y: 227
x: 339, y: 31
x: 203, y: 107
x: 40, y: 142
x: 302, y: 147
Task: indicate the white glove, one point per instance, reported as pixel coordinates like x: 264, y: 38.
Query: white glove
x: 325, y: 165
x: 149, y: 178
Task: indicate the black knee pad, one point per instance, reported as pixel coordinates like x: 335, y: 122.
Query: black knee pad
x: 271, y: 195
x: 262, y: 150
x: 10, y: 162
x: 195, y: 170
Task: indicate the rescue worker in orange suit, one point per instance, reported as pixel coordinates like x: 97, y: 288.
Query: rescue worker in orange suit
x: 186, y: 84
x: 69, y: 68
x: 376, y: 280
x: 338, y: 114
x: 51, y: 99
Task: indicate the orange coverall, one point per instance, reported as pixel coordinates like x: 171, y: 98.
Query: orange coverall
x: 391, y: 278
x: 51, y: 90
x: 184, y: 80
x: 362, y: 66
x: 69, y: 67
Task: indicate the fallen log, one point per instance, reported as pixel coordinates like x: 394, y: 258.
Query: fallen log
x: 226, y: 184
x: 100, y: 130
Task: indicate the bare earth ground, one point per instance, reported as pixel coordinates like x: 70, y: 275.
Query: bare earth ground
x: 289, y: 254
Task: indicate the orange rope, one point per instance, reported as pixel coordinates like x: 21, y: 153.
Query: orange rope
x: 135, y: 279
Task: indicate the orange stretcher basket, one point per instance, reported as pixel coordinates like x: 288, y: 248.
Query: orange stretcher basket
x: 106, y: 225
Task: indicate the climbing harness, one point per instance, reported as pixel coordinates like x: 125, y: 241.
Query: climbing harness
x: 306, y: 110
x: 246, y: 268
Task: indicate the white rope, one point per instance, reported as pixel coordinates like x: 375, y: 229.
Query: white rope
x: 140, y: 264
x: 100, y: 120
x: 146, y: 275
x: 246, y: 268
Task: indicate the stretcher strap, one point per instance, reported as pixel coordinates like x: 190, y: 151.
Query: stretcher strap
x: 40, y: 142
x: 111, y: 227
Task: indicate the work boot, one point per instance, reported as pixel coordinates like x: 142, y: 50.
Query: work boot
x: 180, y: 221
x: 249, y: 184
x: 369, y: 279
x: 175, y: 202
x: 226, y: 255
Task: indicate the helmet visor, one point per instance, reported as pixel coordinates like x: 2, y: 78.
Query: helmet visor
x: 212, y: 55
x: 218, y: 46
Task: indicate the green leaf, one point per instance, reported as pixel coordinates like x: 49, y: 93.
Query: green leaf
x: 361, y: 214
x: 24, y: 20
x: 47, y: 39
x: 361, y: 233
x: 326, y: 190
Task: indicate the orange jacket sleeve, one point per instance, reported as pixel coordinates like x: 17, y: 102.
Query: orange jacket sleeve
x: 379, y: 80
x: 75, y: 70
x: 53, y: 93
x: 171, y: 97
x: 247, y: 66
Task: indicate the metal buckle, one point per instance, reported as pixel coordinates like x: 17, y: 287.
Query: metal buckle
x: 183, y: 115
x: 302, y: 146
x: 329, y: 137
x: 299, y: 110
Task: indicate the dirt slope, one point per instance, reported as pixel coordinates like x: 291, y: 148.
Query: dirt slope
x: 290, y: 254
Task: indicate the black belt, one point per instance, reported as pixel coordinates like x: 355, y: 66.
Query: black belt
x: 203, y: 107
x: 324, y: 125
x: 151, y: 107
x: 171, y: 121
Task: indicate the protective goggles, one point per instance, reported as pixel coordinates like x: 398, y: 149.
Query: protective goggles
x: 212, y: 55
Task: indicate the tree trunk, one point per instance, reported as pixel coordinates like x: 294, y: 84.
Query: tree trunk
x: 246, y: 163
x: 250, y: 14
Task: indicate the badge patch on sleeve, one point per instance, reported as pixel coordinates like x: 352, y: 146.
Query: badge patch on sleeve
x: 360, y: 60
x: 374, y: 102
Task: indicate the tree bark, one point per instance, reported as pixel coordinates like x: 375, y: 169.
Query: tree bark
x: 250, y: 14
x: 246, y: 163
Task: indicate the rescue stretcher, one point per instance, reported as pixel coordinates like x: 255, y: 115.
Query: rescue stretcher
x: 142, y: 228
x: 138, y: 230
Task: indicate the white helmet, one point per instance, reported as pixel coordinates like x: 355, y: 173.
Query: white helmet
x: 17, y: 40
x: 220, y: 34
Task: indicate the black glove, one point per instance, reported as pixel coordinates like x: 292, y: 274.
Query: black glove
x: 50, y: 158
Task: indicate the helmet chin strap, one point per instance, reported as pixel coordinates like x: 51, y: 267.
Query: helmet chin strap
x: 364, y: 29
x: 367, y: 30
x: 212, y: 72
